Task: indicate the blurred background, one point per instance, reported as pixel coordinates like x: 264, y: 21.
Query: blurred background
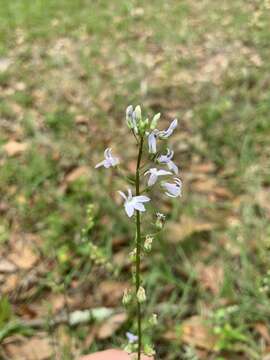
x: 68, y: 70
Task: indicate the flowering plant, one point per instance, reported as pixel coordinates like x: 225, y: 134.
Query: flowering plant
x: 147, y: 136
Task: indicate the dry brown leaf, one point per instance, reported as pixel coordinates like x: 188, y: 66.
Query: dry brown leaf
x: 112, y: 291
x: 81, y: 119
x: 211, y: 277
x: 179, y: 231
x: 222, y: 193
x: 208, y: 185
x: 13, y: 148
x: 263, y: 199
x: 195, y: 332
x: 263, y: 330
x: 76, y: 174
x: 121, y: 259
x: 4, y: 64
x: 10, y: 284
x: 6, y: 266
x: 110, y: 326
x: 204, y: 186
x: 23, y: 255
x: 207, y: 168
x: 35, y: 348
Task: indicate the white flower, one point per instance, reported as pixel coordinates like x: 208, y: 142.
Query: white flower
x: 152, y: 141
x: 109, y: 159
x: 131, y: 337
x: 167, y: 159
x: 154, y: 174
x: 133, y: 203
x: 166, y: 133
x: 175, y: 189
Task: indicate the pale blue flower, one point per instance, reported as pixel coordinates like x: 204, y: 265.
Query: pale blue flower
x: 133, y: 117
x: 152, y: 141
x: 152, y: 137
x: 129, y: 117
x: 154, y: 174
x: 166, y: 133
x: 173, y: 189
x: 131, y: 337
x: 167, y: 159
x: 133, y: 203
x: 109, y: 159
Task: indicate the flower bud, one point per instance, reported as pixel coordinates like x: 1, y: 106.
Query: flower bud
x: 127, y: 297
x: 129, y: 113
x: 132, y: 254
x: 141, y: 296
x: 160, y: 220
x: 149, y: 350
x: 138, y: 113
x: 153, y: 320
x: 148, y: 243
x: 155, y: 121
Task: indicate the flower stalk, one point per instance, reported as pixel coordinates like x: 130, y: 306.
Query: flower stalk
x: 144, y: 131
x: 138, y: 249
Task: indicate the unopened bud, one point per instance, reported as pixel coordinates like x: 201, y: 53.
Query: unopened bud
x: 132, y: 254
x: 149, y: 350
x: 148, y: 243
x: 141, y: 296
x: 160, y: 220
x: 138, y: 113
x: 155, y: 121
x: 153, y: 320
x: 127, y: 297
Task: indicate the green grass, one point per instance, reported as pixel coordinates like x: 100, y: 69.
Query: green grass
x: 204, y: 63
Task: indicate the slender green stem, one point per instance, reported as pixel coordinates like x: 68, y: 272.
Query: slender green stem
x: 138, y: 248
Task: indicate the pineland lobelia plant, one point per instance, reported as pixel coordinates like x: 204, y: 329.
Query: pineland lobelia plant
x: 145, y: 178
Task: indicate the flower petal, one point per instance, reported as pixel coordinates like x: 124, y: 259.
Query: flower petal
x: 122, y: 194
x: 163, y: 172
x: 152, y: 179
x: 152, y: 142
x: 100, y: 164
x: 171, y: 165
x: 139, y: 206
x: 141, y: 198
x: 129, y: 207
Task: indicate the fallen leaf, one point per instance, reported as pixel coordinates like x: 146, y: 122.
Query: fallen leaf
x: 10, y: 284
x: 4, y: 64
x: 35, y: 348
x: 23, y: 255
x: 179, y: 231
x: 222, y: 193
x: 211, y: 277
x: 6, y: 266
x: 13, y: 148
x: 112, y: 292
x: 81, y: 119
x: 110, y: 326
x: 76, y: 174
x: 263, y: 199
x: 195, y: 332
x: 207, y: 168
x: 263, y: 330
